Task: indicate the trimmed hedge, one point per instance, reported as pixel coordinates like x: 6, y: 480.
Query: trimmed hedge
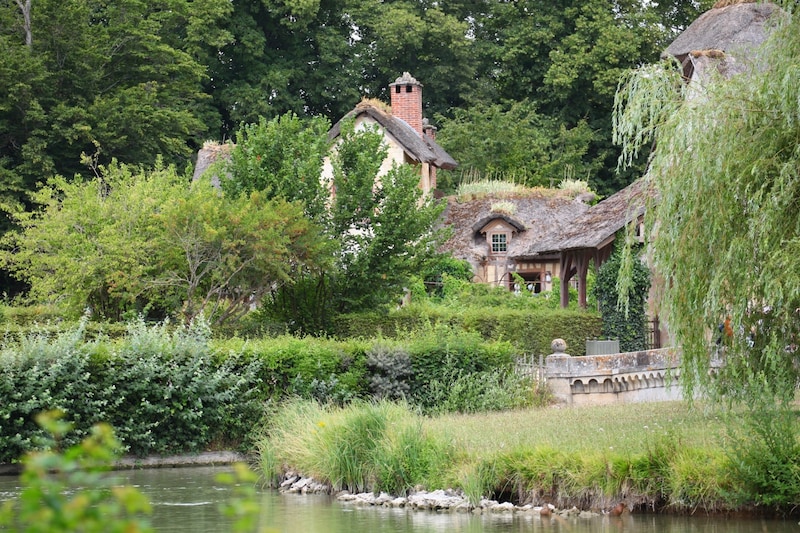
x: 314, y: 368
x: 528, y: 331
x: 168, y: 390
x: 161, y: 391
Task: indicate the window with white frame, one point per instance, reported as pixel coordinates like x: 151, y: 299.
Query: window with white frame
x: 499, y: 243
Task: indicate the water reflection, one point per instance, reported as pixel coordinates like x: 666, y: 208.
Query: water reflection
x: 185, y: 500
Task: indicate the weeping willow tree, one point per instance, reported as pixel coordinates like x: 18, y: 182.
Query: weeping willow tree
x: 724, y: 226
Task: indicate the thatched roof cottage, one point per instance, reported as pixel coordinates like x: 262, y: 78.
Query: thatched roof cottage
x: 495, y: 233
x: 541, y: 235
x: 408, y: 136
x: 724, y: 38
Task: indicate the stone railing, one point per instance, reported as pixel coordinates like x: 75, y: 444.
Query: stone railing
x: 646, y: 376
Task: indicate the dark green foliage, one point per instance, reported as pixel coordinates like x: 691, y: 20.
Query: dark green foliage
x: 440, y: 356
x: 489, y: 390
x: 528, y: 331
x: 116, y: 79
x: 163, y: 392
x: 390, y: 370
x: 517, y: 144
x: 305, y: 306
x: 629, y: 325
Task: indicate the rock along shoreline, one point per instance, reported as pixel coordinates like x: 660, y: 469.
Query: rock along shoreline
x: 437, y: 501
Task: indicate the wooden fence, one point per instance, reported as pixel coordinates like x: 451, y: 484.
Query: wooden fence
x: 531, y: 365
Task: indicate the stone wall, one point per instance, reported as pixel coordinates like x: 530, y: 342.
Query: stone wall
x: 646, y: 376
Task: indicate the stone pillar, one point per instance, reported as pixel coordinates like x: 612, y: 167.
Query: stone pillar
x: 557, y: 372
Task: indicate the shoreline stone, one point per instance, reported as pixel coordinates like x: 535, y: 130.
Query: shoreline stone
x: 420, y: 500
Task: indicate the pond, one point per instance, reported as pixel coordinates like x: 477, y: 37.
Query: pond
x: 186, y: 499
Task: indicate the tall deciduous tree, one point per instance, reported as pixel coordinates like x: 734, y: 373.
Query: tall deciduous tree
x: 566, y: 57
x: 384, y: 224
x: 282, y: 157
x: 381, y: 225
x: 517, y: 144
x: 124, y: 75
x: 133, y: 241
x: 319, y: 57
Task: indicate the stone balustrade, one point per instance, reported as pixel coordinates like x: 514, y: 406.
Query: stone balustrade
x: 645, y: 376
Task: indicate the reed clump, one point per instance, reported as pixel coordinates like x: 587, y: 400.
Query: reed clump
x: 377, y: 446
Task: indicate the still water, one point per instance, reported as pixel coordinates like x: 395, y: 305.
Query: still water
x: 185, y: 500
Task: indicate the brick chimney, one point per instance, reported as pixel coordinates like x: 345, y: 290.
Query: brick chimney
x: 407, y: 100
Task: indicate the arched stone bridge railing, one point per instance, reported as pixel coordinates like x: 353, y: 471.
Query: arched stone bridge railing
x: 646, y: 376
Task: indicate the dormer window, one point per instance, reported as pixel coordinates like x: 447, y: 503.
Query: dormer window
x: 497, y: 231
x: 499, y: 243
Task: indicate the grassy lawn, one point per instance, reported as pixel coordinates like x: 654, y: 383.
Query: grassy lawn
x: 628, y: 428
x: 649, y: 454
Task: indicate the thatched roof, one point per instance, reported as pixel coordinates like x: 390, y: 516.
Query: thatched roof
x: 508, y: 219
x: 421, y: 149
x: 598, y: 224
x: 731, y: 29
x: 536, y: 216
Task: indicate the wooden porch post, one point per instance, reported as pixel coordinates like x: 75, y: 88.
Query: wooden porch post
x: 582, y: 263
x: 566, y: 275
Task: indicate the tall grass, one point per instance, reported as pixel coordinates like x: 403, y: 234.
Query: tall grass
x: 379, y: 446
x: 489, y: 187
x: 574, y: 186
x: 651, y: 456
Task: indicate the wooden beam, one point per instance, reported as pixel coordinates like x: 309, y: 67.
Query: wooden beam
x: 567, y: 271
x: 582, y: 259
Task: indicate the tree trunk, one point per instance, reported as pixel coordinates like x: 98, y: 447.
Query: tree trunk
x: 26, y: 15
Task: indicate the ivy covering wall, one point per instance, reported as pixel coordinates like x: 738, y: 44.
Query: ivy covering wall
x: 629, y: 325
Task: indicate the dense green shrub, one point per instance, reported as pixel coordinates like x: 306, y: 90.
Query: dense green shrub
x: 533, y: 332
x: 182, y: 398
x: 308, y: 367
x: 528, y: 331
x: 390, y: 371
x: 173, y: 389
x: 162, y: 390
x: 441, y: 355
